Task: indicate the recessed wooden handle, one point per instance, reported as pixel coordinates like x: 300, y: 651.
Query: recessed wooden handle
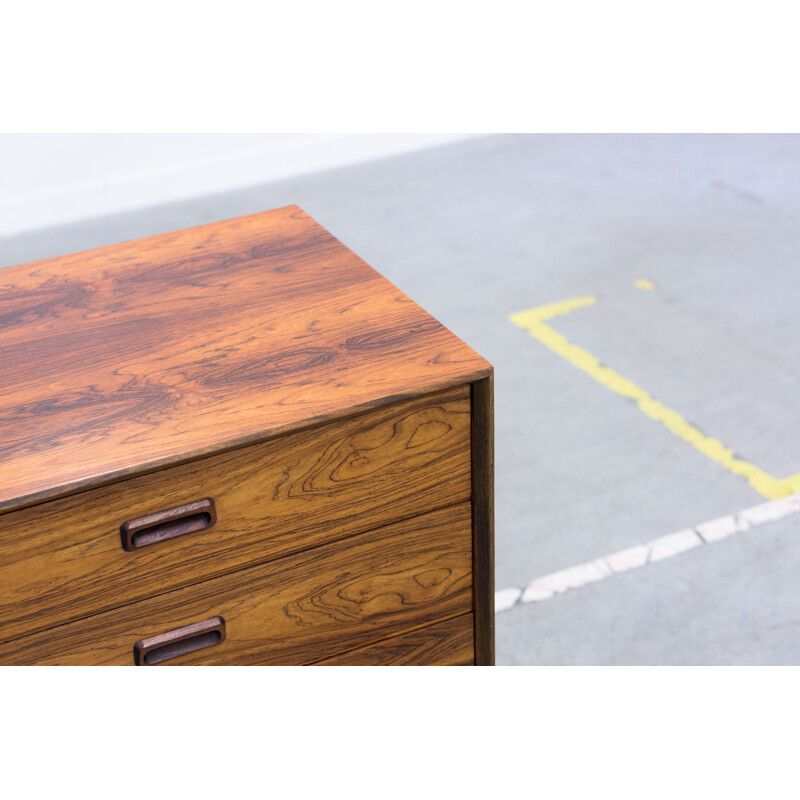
x: 188, y: 639
x: 162, y: 525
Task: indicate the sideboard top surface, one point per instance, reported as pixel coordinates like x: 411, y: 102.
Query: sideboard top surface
x: 143, y: 354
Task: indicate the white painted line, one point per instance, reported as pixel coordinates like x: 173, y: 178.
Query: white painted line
x: 505, y: 599
x: 560, y: 582
x: 632, y: 558
x: 639, y: 556
x: 668, y: 546
x: 718, y: 529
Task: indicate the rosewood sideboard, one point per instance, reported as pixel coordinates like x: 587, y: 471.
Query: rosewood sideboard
x: 239, y: 444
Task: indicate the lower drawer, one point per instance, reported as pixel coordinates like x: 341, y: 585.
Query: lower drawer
x: 449, y: 643
x: 296, y: 610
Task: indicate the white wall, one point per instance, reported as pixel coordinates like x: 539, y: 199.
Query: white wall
x: 52, y: 179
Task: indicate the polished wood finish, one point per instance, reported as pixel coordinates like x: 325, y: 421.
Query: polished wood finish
x: 483, y: 517
x: 239, y: 444
x: 448, y: 643
x: 150, y: 353
x: 63, y: 559
x: 297, y: 610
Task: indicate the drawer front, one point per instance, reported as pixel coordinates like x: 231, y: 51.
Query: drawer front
x: 63, y: 560
x: 297, y: 610
x: 444, y: 644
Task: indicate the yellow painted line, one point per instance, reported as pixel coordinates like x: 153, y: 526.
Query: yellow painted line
x: 534, y: 321
x: 644, y: 284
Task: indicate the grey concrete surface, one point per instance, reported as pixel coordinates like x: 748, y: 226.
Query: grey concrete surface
x: 478, y: 230
x: 735, y: 602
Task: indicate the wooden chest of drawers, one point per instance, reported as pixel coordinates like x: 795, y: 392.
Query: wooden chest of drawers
x: 239, y: 444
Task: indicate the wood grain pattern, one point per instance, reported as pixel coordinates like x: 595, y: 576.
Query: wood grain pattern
x: 448, y: 643
x: 151, y: 353
x: 293, y: 611
x: 64, y: 559
x: 483, y: 517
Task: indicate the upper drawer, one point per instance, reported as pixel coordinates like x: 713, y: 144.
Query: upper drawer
x: 62, y: 560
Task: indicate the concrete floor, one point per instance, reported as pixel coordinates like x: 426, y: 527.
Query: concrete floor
x: 479, y: 230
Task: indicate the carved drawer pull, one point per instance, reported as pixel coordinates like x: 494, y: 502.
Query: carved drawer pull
x: 179, y: 642
x: 163, y: 525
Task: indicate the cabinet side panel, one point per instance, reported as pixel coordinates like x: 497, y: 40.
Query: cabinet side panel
x: 483, y: 518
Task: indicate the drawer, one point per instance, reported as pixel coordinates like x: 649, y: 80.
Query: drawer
x: 64, y: 559
x: 448, y: 643
x: 299, y: 609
